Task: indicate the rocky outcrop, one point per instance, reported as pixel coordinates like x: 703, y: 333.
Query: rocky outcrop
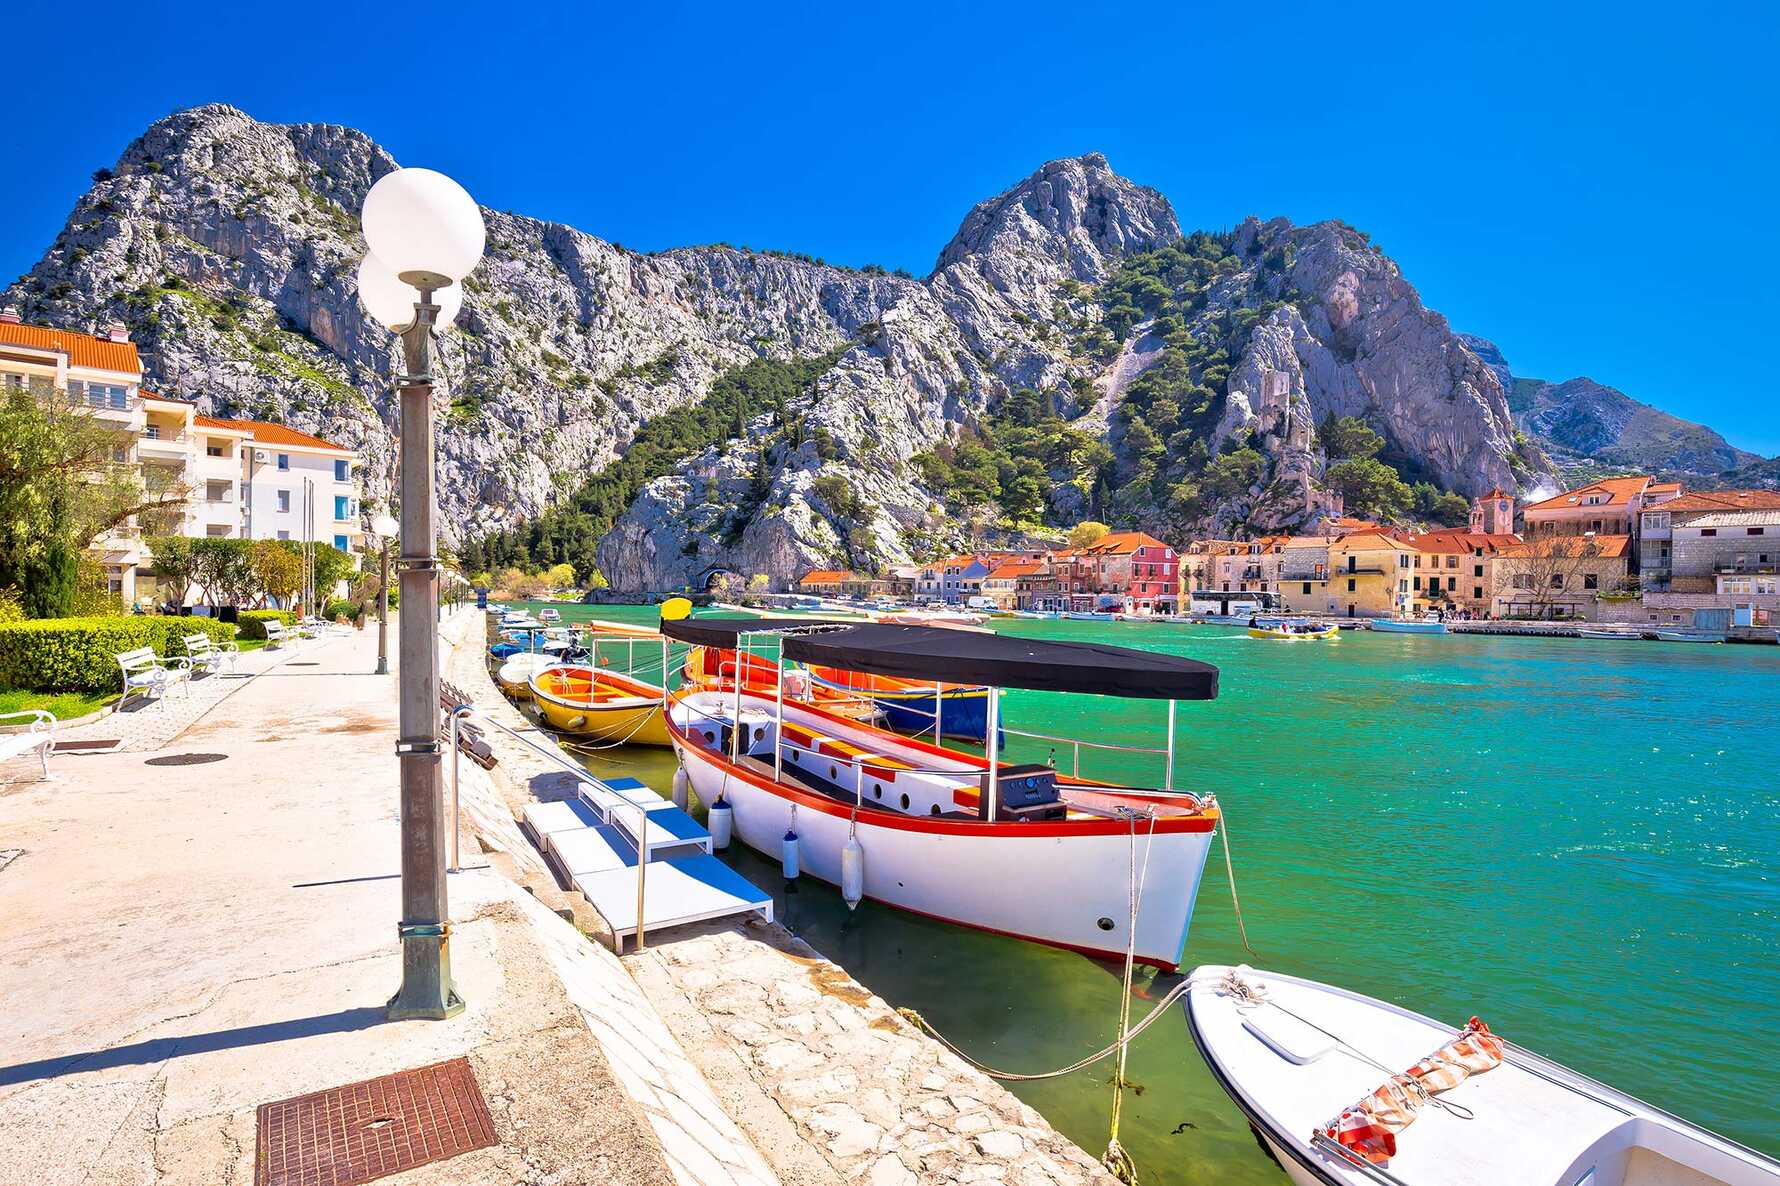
x: 228, y: 246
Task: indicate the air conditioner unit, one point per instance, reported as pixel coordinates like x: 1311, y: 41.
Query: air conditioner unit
x: 261, y: 455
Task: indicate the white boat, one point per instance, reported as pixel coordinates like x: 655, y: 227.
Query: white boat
x: 549, y: 616
x: 1690, y: 636
x: 1019, y: 850
x: 1299, y: 1058
x: 515, y: 672
x: 1408, y: 626
x: 1076, y: 615
x: 1609, y: 635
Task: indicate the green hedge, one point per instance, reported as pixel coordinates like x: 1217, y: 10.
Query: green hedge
x: 339, y: 608
x: 80, y: 654
x: 253, y: 621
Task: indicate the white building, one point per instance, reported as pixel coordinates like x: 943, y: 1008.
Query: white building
x: 245, y: 479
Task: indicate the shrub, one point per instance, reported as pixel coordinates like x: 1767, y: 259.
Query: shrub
x: 340, y: 607
x: 80, y: 654
x: 253, y: 621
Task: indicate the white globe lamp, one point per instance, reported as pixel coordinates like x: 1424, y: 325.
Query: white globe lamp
x: 390, y: 300
x: 385, y: 527
x: 425, y: 226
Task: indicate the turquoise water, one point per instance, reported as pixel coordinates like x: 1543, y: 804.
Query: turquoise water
x: 1577, y: 841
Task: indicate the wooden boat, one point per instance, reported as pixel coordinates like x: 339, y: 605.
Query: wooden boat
x: 1690, y: 636
x: 1307, y: 1063
x: 515, y: 673
x: 1408, y: 626
x: 1292, y: 632
x: 1610, y: 635
x: 713, y: 670
x: 600, y: 705
x: 909, y: 705
x: 1020, y: 850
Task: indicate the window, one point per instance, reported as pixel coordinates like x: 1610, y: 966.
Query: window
x: 213, y: 451
x: 1752, y: 530
x: 1477, y: 570
x: 340, y: 542
x: 152, y: 432
x: 1307, y: 586
x: 342, y: 506
x: 1591, y: 580
x: 1477, y: 592
x: 1350, y: 586
x: 1452, y: 562
x: 1557, y: 580
x: 1523, y: 580
x: 341, y: 468
x: 284, y: 461
x: 284, y: 501
x: 284, y: 535
x: 1708, y: 532
x: 1418, y: 582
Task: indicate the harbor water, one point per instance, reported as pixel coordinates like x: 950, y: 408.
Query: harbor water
x: 1578, y: 841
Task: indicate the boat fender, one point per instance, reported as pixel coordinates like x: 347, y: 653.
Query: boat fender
x: 681, y: 795
x: 852, y: 872
x: 788, y: 854
x: 721, y: 820
x: 576, y: 721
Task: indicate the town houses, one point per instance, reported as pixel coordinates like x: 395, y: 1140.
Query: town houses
x: 1631, y: 549
x: 236, y: 479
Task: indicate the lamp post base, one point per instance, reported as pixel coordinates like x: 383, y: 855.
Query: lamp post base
x: 427, y: 993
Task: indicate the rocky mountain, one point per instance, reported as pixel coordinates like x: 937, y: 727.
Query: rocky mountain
x: 1588, y: 427
x: 227, y: 246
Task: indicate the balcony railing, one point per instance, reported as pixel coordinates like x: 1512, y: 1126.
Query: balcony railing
x: 1745, y: 568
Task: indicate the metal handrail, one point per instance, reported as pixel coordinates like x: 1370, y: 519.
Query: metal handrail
x: 583, y: 775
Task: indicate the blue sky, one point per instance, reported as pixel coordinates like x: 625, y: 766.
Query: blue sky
x: 1593, y: 187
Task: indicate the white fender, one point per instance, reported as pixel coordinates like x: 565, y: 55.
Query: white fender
x: 788, y: 855
x: 852, y: 872
x: 721, y: 821
x: 682, y: 795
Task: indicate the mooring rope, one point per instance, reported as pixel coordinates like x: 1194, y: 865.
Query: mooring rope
x: 1230, y: 871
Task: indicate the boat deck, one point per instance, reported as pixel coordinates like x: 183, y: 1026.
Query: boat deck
x: 591, y: 842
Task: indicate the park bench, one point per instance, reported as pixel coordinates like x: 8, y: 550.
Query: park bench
x: 39, y: 736
x: 209, y: 655
x: 146, y: 672
x: 277, y: 634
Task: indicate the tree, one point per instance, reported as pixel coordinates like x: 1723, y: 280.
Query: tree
x: 1232, y: 474
x: 1370, y: 488
x: 61, y: 488
x: 597, y: 579
x: 560, y: 577
x: 277, y: 568
x: 175, y: 561
x: 225, y: 569
x: 1348, y: 438
x: 1087, y: 533
x: 331, y: 567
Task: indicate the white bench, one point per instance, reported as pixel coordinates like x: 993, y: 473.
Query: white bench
x: 39, y: 736
x: 209, y: 655
x: 277, y: 634
x: 146, y: 672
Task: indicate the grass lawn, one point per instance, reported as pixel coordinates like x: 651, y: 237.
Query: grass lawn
x: 64, y: 705
x: 250, y: 644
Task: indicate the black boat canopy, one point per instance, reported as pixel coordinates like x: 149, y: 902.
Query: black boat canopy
x: 722, y: 632
x: 1001, y: 661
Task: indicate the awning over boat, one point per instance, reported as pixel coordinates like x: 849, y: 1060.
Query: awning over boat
x: 722, y: 632
x: 1004, y: 661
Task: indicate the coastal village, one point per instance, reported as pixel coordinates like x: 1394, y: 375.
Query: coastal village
x: 1631, y: 550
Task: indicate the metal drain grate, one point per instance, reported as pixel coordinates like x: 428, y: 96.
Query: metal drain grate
x: 185, y: 759
x: 369, y: 1130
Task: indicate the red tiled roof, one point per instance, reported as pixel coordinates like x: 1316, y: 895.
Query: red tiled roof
x: 1620, y: 491
x: 1014, y: 569
x: 268, y: 433
x: 1380, y: 536
x: 825, y: 576
x: 168, y: 399
x: 83, y: 350
x: 1120, y: 543
x: 1573, y: 546
x: 1459, y: 541
x: 1725, y: 500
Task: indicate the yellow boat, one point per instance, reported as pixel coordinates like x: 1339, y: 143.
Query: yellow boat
x: 598, y: 704
x: 1281, y: 634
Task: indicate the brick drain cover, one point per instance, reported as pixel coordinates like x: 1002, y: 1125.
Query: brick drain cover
x: 369, y: 1130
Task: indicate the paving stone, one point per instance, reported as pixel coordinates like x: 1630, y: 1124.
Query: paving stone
x: 973, y: 1122
x: 889, y: 1170
x: 999, y: 1143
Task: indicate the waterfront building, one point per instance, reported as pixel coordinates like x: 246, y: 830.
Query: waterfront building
x: 1370, y: 574
x: 900, y: 580
x: 1492, y: 513
x: 1304, y: 574
x: 1002, y: 584
x: 236, y: 479
x: 1686, y: 542
x: 928, y: 579
x: 1198, y: 564
x: 1562, y: 576
x: 825, y: 582
x: 1611, y: 506
x: 1138, y: 568
x: 1455, y: 570
x: 961, y: 578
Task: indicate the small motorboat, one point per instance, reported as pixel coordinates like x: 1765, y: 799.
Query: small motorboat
x: 515, y: 673
x: 1018, y: 849
x: 1610, y: 635
x: 549, y: 616
x: 1078, y: 615
x: 1409, y: 626
x: 1345, y: 1090
x: 1292, y: 632
x: 600, y: 705
x: 1690, y: 636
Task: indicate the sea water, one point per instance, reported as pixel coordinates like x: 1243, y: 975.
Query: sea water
x: 1576, y: 840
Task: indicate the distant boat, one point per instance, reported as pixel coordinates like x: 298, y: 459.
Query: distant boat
x: 549, y: 616
x: 1292, y: 632
x: 1610, y: 635
x: 1086, y: 616
x: 1691, y: 636
x: 1408, y: 626
x: 1320, y: 1074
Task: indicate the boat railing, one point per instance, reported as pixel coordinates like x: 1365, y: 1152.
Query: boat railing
x: 580, y: 774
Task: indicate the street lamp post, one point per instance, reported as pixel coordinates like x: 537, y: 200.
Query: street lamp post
x: 384, y: 527
x: 425, y: 235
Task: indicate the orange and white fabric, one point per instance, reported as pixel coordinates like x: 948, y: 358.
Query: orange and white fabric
x: 1369, y: 1127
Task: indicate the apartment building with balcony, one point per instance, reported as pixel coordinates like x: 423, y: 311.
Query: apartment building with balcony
x: 242, y: 479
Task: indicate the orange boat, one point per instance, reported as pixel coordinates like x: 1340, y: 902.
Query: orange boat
x: 712, y: 669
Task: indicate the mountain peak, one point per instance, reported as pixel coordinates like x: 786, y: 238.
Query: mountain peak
x: 1075, y: 210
